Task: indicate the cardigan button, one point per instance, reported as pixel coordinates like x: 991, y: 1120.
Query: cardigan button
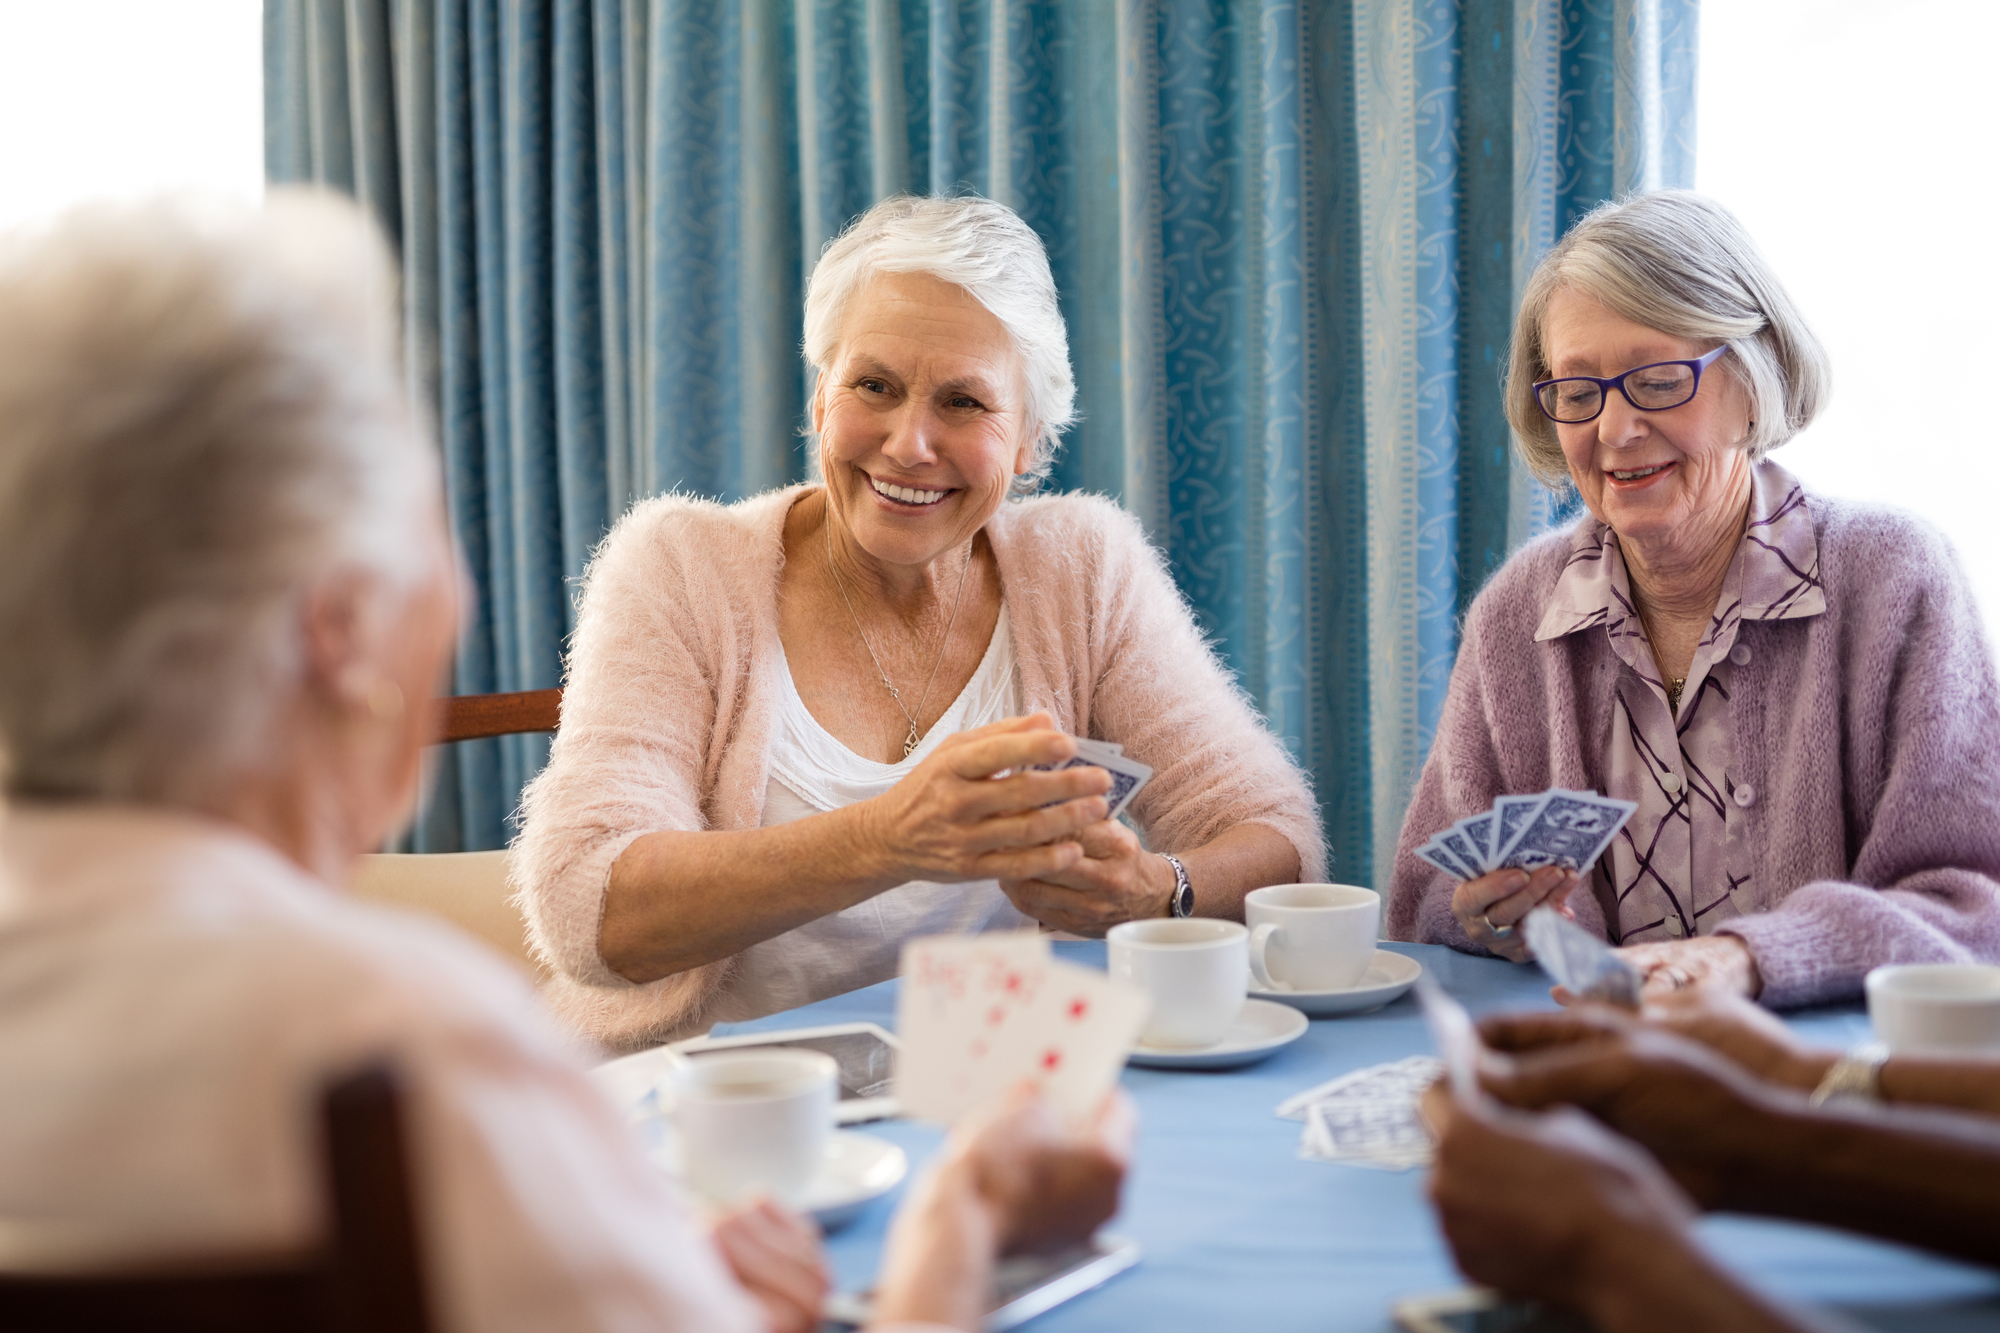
x: 1670, y: 782
x: 1740, y: 655
x: 1674, y: 926
x: 1746, y: 796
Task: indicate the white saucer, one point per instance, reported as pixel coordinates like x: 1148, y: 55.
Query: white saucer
x: 1259, y: 1030
x: 859, y: 1169
x: 1387, y: 977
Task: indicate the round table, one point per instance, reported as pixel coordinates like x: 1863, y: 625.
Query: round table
x: 1239, y: 1233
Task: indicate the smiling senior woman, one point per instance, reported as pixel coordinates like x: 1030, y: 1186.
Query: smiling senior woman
x: 786, y: 718
x: 1795, y: 691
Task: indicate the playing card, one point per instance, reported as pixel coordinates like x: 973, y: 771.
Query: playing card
x: 1569, y: 829
x: 1128, y: 776
x: 1442, y: 859
x: 1405, y: 1078
x: 1578, y: 961
x: 1457, y: 1040
x: 1460, y: 847
x: 978, y: 1014
x: 1510, y: 815
x: 1478, y: 831
x: 1368, y: 1117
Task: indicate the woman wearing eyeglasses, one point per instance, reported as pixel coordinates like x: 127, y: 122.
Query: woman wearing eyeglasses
x: 1795, y: 691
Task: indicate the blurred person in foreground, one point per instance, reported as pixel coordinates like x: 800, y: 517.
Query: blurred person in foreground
x: 801, y: 730
x: 1577, y: 1182
x: 226, y: 594
x: 1795, y: 691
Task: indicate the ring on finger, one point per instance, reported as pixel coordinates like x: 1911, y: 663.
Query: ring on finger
x: 1499, y: 932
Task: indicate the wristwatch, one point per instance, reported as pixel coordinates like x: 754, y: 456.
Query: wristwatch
x: 1182, y: 903
x: 1856, y: 1076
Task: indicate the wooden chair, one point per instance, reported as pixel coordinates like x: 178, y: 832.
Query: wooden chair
x: 368, y: 1279
x: 468, y: 889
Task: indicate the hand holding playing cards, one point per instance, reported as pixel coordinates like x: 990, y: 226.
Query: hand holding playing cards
x: 951, y: 820
x: 1115, y: 880
x: 1012, y: 1179
x: 778, y: 1258
x: 1490, y: 908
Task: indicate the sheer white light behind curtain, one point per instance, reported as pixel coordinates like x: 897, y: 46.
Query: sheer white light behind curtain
x: 1855, y: 139
x: 127, y: 97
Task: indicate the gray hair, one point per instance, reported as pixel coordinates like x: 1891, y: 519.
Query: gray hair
x: 201, y: 417
x: 1679, y: 262
x: 976, y: 244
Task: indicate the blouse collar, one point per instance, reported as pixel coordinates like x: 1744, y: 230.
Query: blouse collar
x: 1775, y: 575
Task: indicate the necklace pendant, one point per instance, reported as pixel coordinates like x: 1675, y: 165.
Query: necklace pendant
x: 911, y: 742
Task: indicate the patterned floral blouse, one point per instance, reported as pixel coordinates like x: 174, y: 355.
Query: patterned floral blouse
x: 1682, y: 863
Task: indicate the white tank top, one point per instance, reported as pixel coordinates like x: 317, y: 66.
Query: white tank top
x: 811, y: 772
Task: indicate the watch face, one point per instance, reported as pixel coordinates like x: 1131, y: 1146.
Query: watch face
x: 1184, y: 900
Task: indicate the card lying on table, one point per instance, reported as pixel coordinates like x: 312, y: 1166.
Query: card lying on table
x: 1557, y: 827
x: 978, y: 1014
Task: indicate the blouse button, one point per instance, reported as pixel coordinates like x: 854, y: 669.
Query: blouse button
x: 1740, y: 655
x: 1674, y: 926
x: 1670, y: 782
x: 1746, y: 796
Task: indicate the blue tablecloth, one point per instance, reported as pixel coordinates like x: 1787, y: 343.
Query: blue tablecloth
x: 1238, y: 1233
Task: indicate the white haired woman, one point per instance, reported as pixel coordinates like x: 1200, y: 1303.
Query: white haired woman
x: 1795, y: 691
x: 225, y: 590
x: 787, y: 720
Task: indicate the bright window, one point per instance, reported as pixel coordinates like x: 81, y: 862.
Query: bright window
x: 125, y: 97
x: 1855, y: 139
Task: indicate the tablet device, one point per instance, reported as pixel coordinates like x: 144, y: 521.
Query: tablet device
x: 1024, y: 1286
x: 865, y: 1053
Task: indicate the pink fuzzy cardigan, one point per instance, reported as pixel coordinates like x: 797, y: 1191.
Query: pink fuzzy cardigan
x: 672, y: 680
x: 1870, y: 734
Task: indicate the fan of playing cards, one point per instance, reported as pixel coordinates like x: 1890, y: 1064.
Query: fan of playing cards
x: 1127, y: 775
x: 1558, y: 827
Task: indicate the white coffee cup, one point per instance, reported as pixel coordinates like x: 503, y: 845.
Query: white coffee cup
x: 753, y: 1121
x: 1197, y: 972
x: 1937, y: 1007
x: 1311, y: 937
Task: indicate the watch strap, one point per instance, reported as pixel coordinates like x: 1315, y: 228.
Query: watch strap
x: 1855, y: 1076
x: 1182, y: 903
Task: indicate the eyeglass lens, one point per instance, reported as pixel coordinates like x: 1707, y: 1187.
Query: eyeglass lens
x: 1649, y: 387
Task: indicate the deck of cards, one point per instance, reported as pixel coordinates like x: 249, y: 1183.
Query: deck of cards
x: 1367, y: 1118
x: 978, y: 1014
x: 1128, y: 776
x: 1557, y: 827
x: 1578, y: 961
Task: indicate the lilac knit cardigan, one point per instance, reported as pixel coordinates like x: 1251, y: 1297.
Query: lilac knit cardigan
x: 666, y: 721
x: 1870, y: 735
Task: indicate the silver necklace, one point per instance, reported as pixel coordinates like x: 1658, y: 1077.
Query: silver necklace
x: 915, y: 738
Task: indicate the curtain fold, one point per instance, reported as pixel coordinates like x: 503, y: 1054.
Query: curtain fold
x: 1288, y: 238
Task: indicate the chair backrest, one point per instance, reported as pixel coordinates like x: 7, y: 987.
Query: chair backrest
x: 368, y: 1279
x: 466, y: 717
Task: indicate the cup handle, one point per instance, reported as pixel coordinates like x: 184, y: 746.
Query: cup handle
x: 1259, y: 938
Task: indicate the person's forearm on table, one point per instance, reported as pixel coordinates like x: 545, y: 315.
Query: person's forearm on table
x: 1912, y: 1080
x: 677, y: 900
x: 1920, y: 1177
x: 942, y: 1249
x: 1643, y: 1283
x: 1225, y: 869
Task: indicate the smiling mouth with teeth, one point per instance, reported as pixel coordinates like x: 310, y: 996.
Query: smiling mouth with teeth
x: 906, y: 494
x: 1638, y: 474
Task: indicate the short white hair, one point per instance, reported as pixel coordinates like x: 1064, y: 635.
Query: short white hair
x: 981, y: 246
x: 1679, y: 262
x: 202, y: 415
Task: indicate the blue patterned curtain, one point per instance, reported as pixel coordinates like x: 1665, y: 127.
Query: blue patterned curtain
x: 1288, y: 239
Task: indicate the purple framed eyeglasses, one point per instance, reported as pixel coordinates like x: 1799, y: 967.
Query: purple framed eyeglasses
x: 1575, y: 399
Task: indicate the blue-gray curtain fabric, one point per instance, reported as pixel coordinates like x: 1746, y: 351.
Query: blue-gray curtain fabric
x: 1288, y: 237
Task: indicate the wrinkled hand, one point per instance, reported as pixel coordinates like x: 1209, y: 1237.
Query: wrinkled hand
x: 777, y: 1257
x: 1537, y: 1206
x: 1702, y: 1116
x: 1046, y: 1186
x: 952, y: 819
x: 1720, y: 961
x: 1490, y: 909
x: 1115, y: 880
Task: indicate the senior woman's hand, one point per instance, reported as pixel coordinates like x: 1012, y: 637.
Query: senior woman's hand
x: 1721, y: 962
x: 1490, y: 909
x: 973, y: 810
x: 1114, y: 880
